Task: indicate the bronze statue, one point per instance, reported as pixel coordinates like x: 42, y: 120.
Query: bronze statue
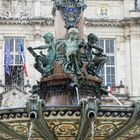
x: 93, y: 61
x: 44, y: 62
x: 72, y: 52
x: 96, y: 63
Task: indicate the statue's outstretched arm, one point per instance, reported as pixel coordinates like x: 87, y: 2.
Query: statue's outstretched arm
x: 42, y: 47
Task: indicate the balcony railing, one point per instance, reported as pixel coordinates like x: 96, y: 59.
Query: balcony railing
x: 9, y: 87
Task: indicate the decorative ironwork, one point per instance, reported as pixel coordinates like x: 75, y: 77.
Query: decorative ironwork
x: 71, y: 11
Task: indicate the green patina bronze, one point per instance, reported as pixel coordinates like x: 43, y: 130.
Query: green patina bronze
x: 35, y: 108
x: 88, y: 116
x: 44, y: 62
x: 96, y: 63
x: 74, y: 60
x: 76, y: 56
x: 71, y: 49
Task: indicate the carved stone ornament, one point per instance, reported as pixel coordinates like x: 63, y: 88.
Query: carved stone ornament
x: 71, y: 11
x: 16, y: 9
x: 103, y: 11
x: 5, y: 9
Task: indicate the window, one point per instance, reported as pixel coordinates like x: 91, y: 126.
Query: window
x: 108, y: 71
x: 14, y: 71
x: 137, y: 4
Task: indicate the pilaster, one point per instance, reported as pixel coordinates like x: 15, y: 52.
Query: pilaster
x: 128, y: 61
x: 135, y: 58
x: 37, y: 8
x: 128, y: 6
x: 120, y: 60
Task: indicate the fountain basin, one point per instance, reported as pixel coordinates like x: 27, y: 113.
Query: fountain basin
x: 111, y: 122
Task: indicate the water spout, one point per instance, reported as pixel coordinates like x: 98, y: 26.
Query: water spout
x: 91, y: 115
x: 32, y: 115
x: 110, y: 95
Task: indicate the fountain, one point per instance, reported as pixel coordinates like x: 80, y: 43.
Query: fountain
x: 66, y: 103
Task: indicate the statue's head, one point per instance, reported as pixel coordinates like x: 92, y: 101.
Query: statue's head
x: 72, y: 33
x: 48, y: 37
x: 92, y: 38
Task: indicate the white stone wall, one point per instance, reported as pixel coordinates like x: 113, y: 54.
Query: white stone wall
x: 125, y: 33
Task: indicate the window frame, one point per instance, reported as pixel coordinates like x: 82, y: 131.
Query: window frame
x: 103, y: 72
x: 15, y: 53
x: 137, y: 5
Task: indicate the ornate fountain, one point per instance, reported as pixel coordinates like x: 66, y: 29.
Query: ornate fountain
x: 66, y: 103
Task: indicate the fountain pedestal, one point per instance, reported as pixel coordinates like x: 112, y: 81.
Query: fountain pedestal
x: 57, y: 89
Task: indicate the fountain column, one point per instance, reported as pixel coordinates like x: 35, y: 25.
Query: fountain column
x: 60, y: 29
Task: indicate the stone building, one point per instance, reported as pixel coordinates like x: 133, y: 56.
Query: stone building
x: 115, y: 22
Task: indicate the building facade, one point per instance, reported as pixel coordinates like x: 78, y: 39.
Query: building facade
x: 115, y: 22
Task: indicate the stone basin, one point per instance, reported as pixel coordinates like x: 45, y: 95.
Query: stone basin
x: 120, y: 122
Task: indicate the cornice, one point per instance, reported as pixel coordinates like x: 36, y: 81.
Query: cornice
x: 132, y: 20
x: 102, y: 22
x: 45, y: 21
x: 28, y: 21
x: 112, y: 22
